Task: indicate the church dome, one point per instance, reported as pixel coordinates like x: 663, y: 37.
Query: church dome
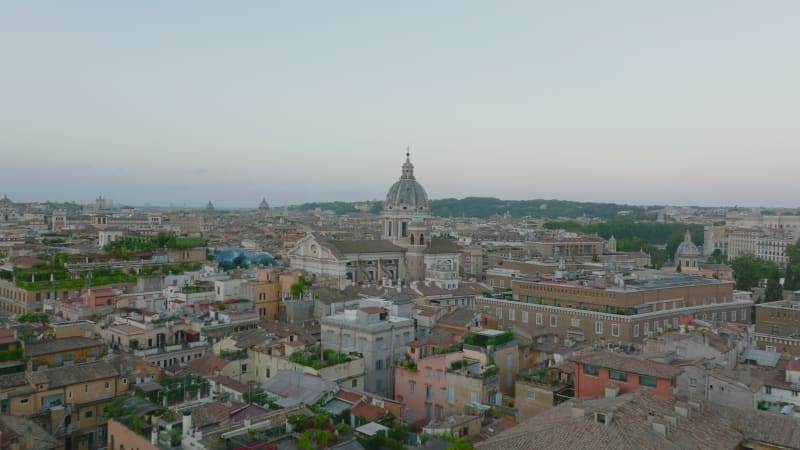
x: 407, y: 193
x: 687, y: 247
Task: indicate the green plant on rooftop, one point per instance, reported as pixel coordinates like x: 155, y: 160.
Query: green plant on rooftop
x: 313, y: 360
x: 490, y: 372
x: 10, y: 355
x: 408, y: 364
x: 483, y: 340
x: 41, y: 317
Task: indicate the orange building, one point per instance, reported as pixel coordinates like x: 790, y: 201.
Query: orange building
x: 595, y: 372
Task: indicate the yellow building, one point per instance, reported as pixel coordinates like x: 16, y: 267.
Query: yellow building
x: 55, y: 352
x: 69, y: 402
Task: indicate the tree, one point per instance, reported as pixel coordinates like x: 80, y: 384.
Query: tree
x: 716, y: 257
x: 774, y: 291
x: 749, y: 269
x: 298, y: 289
x: 792, y: 277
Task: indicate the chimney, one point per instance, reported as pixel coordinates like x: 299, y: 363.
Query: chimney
x: 672, y: 421
x: 696, y: 407
x: 660, y: 427
x: 612, y: 390
x: 578, y: 411
x: 187, y: 422
x: 682, y: 410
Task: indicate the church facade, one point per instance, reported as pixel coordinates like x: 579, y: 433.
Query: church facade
x: 406, y: 253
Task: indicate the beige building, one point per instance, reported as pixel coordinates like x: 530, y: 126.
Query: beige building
x: 778, y: 327
x: 615, y: 314
x: 69, y: 402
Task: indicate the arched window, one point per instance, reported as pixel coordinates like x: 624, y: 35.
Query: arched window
x: 421, y: 239
x: 412, y: 239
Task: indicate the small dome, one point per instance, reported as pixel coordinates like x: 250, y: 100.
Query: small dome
x: 687, y: 247
x: 407, y: 192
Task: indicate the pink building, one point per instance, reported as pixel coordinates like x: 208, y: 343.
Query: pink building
x: 594, y: 371
x: 421, y: 383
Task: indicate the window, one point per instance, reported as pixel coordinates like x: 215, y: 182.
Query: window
x: 733, y: 316
x: 412, y: 387
x: 531, y: 395
x: 646, y: 380
x: 439, y: 375
x: 85, y: 388
x: 473, y: 397
x: 451, y: 394
x: 428, y: 372
x: 598, y: 327
x: 539, y: 318
x: 553, y: 321
x: 615, y: 330
x: 776, y: 330
x: 107, y: 385
x: 724, y: 315
x: 589, y: 369
x: 88, y: 414
x: 24, y: 401
x: 524, y: 316
x: 636, y: 330
x: 512, y: 314
x: 69, y: 394
x: 244, y: 368
x: 618, y: 375
x: 692, y: 382
x: 498, y: 312
x: 124, y: 381
x: 428, y: 392
x: 647, y: 328
x: 379, y: 344
x: 768, y: 390
x: 575, y: 322
x: 404, y: 229
x: 675, y: 323
x: 379, y: 364
x: 666, y: 324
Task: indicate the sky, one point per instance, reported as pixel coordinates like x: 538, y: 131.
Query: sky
x: 182, y: 102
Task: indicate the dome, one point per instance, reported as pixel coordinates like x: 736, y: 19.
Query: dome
x: 407, y: 192
x: 687, y: 247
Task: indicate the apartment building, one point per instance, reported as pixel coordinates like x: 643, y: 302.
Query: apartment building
x: 595, y: 372
x: 627, y: 312
x: 69, y: 402
x: 372, y: 332
x: 778, y: 327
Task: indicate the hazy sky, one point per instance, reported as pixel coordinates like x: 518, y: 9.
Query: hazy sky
x: 680, y: 102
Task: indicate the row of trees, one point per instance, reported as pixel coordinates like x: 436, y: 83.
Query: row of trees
x: 749, y: 270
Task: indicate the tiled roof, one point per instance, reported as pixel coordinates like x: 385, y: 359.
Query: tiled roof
x: 348, y: 396
x: 343, y: 247
x: 230, y: 383
x: 38, y: 348
x: 251, y: 410
x: 367, y: 411
x: 69, y: 375
x: 12, y: 427
x: 628, y: 364
x: 207, y: 365
x: 629, y: 428
x: 439, y: 246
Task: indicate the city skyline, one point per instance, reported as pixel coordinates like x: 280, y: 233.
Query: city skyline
x: 674, y: 104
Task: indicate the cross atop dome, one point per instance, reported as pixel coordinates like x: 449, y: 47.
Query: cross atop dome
x: 408, y: 168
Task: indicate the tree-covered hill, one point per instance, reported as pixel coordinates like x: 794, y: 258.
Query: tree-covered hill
x: 489, y: 206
